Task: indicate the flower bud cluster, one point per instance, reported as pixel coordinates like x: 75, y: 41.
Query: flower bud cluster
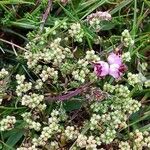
x: 28, y: 148
x: 124, y: 105
x: 57, y: 53
x: 94, y: 121
x: 100, y: 107
x: 126, y: 57
x: 27, y: 145
x: 3, y: 73
x: 81, y: 141
x: 92, y: 77
x: 146, y: 142
x: 92, y: 143
x: 133, y: 79
x: 144, y: 66
x: 7, y: 123
x: 38, y: 84
x: 108, y: 88
x: 74, y: 84
x: 22, y: 86
x: 66, y: 68
x: 95, y: 19
x: 37, y: 69
x: 3, y: 84
x: 82, y: 63
x: 32, y: 59
x: 71, y: 133
x: 88, y: 143
x: 20, y: 78
x: 33, y: 101
x: 31, y: 124
x: 121, y: 99
x: 76, y: 32
x: 110, y: 121
x: 115, y: 119
x: 67, y: 52
x: 80, y: 75
x: 108, y: 136
x: 54, y: 53
x: 63, y: 25
x: 91, y: 56
x: 140, y: 139
x: 49, y: 30
x: 36, y: 41
x: 47, y: 132
x: 147, y: 83
x: 124, y: 145
x: 62, y: 114
x: 95, y: 24
x: 54, y: 145
x: 82, y: 72
x: 1, y: 100
x: 126, y: 38
x: 119, y: 89
x: 49, y: 73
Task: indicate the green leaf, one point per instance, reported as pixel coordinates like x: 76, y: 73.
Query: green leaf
x: 120, y: 6
x: 14, y: 138
x: 6, y: 147
x: 26, y: 25
x: 145, y: 128
x: 95, y: 6
x: 107, y: 25
x: 69, y: 13
x: 72, y: 105
x: 10, y: 2
x: 1, y: 146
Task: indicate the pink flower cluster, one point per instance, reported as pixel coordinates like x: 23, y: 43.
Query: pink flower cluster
x: 100, y: 15
x: 113, y: 66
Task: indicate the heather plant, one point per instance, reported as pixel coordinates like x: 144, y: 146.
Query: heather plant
x: 78, y: 78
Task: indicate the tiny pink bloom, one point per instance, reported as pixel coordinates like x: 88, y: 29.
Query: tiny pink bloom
x: 101, y: 68
x: 116, y: 70
x: 114, y: 59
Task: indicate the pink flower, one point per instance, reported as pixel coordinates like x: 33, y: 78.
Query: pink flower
x: 114, y: 67
x: 101, y: 68
x: 114, y: 59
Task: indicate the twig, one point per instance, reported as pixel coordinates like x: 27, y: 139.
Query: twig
x: 64, y: 3
x: 45, y: 15
x: 13, y: 47
x: 13, y: 44
x: 2, y: 50
x: 36, y: 5
x: 68, y: 95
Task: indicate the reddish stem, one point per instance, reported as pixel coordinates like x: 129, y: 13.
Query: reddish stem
x: 70, y: 94
x: 45, y: 15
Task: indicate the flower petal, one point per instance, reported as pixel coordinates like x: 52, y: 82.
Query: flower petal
x: 114, y: 71
x: 114, y: 59
x: 101, y: 68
